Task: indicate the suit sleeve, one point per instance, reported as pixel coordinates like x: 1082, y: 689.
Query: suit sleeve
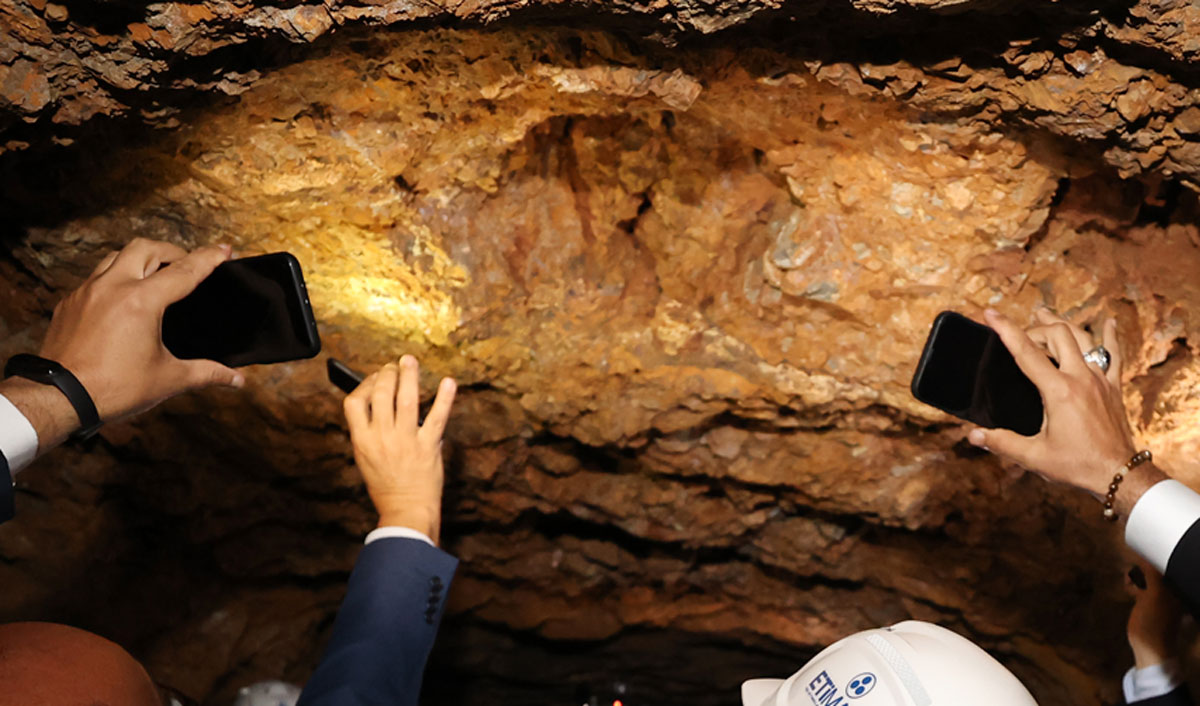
x: 1178, y: 697
x: 1164, y: 527
x: 385, y: 628
x: 7, y: 506
x: 1183, y: 569
x: 1159, y: 684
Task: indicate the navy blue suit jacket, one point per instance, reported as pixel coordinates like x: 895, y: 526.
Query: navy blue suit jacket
x: 1179, y: 697
x: 1183, y: 575
x: 7, y: 506
x: 385, y: 627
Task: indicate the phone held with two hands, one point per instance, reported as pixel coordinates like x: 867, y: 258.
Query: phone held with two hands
x: 966, y: 370
x: 249, y: 311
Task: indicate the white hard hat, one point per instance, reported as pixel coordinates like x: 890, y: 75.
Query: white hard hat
x: 909, y: 664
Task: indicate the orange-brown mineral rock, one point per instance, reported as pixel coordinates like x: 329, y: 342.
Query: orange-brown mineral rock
x: 682, y: 263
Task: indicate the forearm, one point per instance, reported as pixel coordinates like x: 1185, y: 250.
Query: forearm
x: 45, y: 407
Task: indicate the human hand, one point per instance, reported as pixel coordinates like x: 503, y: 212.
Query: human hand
x: 108, y: 332
x: 400, y: 461
x: 1153, y: 627
x: 1085, y: 437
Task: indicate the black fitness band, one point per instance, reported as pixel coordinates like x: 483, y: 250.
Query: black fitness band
x: 47, y: 372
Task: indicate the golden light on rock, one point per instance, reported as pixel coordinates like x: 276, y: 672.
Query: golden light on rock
x: 684, y: 289
x: 370, y: 285
x: 382, y: 302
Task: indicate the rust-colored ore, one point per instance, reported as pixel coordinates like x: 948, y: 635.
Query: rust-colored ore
x: 682, y: 265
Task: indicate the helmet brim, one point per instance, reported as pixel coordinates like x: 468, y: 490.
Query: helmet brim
x: 756, y: 692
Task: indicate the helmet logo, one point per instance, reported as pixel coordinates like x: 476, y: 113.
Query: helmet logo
x: 861, y: 685
x: 823, y: 692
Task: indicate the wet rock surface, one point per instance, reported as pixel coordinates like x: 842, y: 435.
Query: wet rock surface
x: 683, y: 288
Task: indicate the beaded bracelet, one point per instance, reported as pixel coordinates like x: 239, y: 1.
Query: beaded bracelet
x: 1110, y: 499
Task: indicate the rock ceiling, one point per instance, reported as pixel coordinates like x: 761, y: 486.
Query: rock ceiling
x: 682, y: 258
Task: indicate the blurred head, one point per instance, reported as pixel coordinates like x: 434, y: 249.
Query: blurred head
x: 908, y: 664
x: 44, y: 664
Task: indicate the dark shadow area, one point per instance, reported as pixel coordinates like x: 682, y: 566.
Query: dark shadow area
x: 159, y: 551
x: 477, y: 663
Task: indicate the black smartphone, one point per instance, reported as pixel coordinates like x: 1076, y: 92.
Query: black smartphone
x: 966, y: 370
x: 248, y: 311
x: 342, y: 375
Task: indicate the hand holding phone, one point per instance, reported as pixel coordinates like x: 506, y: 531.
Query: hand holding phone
x: 249, y: 311
x: 107, y: 332
x: 1086, y: 434
x: 965, y: 370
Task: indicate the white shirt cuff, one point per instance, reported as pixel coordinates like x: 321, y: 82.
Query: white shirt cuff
x: 1151, y: 682
x: 399, y: 533
x: 18, y: 438
x: 1160, y: 519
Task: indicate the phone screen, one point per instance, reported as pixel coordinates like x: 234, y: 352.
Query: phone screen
x: 967, y: 371
x: 248, y: 311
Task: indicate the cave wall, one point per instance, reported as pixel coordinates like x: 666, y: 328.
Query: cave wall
x: 683, y: 282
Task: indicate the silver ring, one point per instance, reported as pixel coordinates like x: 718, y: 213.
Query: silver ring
x: 1098, y: 356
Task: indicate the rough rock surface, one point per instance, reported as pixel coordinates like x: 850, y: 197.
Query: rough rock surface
x: 1116, y: 73
x: 684, y: 290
